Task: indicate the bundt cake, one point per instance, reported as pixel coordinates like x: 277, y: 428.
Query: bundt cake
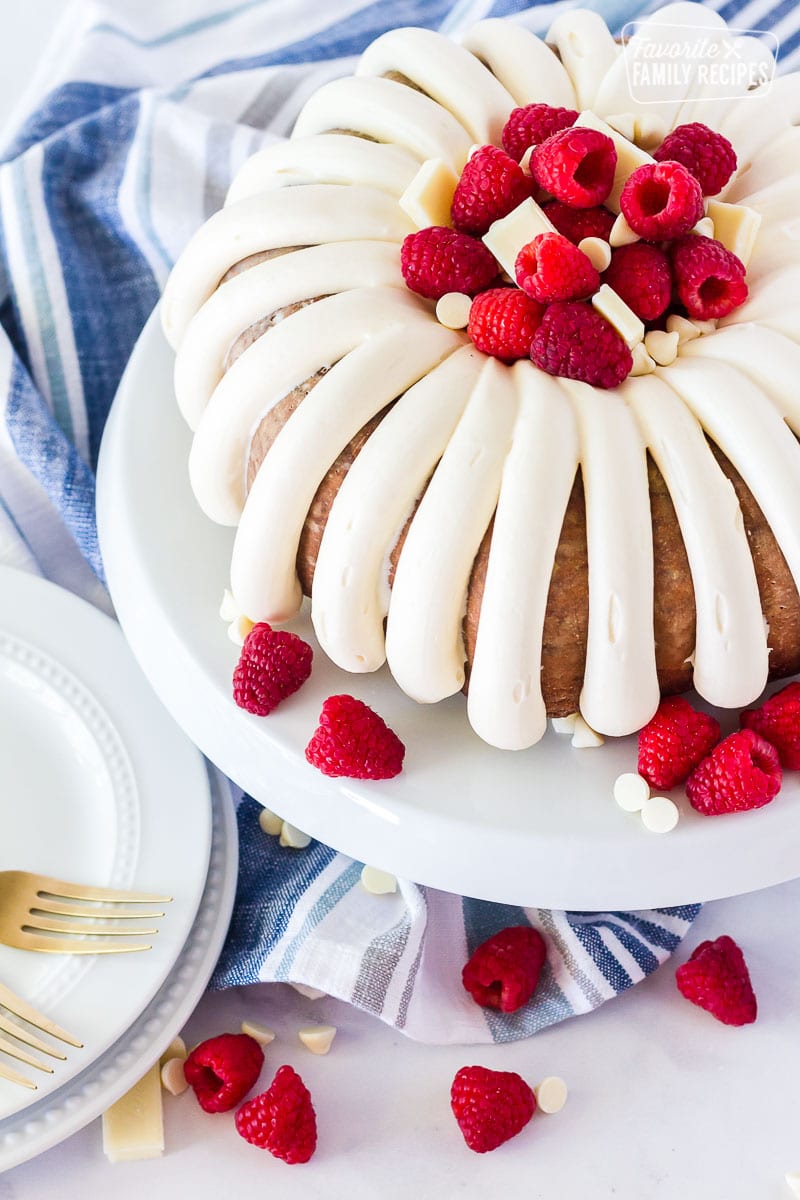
x: 546, y: 544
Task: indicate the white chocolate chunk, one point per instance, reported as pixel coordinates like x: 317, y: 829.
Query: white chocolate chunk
x: 551, y: 1094
x: 660, y: 814
x: 597, y: 251
x: 686, y: 330
x: 506, y: 237
x: 793, y: 1182
x: 293, y: 837
x: 310, y: 993
x: 584, y: 737
x: 616, y: 312
x: 270, y: 822
x: 631, y: 791
x: 379, y: 883
x: 703, y: 228
x: 176, y: 1049
x: 239, y: 629
x: 228, y: 609
x: 624, y: 123
x: 133, y: 1127
x: 429, y: 195
x: 258, y: 1032
x: 565, y: 724
x: 452, y: 310
x: 661, y: 346
x: 649, y: 131
x: 643, y: 364
x: 621, y: 233
x: 736, y: 226
x: 704, y: 326
x: 173, y: 1078
x: 317, y: 1038
x: 629, y: 156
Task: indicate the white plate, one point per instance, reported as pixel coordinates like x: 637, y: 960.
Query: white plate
x: 52, y: 1119
x: 537, y: 827
x: 97, y: 785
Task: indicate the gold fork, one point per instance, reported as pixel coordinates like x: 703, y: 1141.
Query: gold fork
x: 20, y: 1008
x: 39, y: 913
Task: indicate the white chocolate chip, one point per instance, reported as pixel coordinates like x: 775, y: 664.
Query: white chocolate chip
x: 643, y: 364
x: 793, y: 1181
x: 551, y: 1094
x: 565, y: 724
x: 621, y: 233
x: 293, y: 837
x: 686, y: 330
x: 704, y: 327
x: 317, y: 1038
x: 661, y: 346
x: 584, y: 737
x: 631, y: 791
x: 173, y: 1079
x: 239, y: 629
x: 649, y: 132
x: 660, y: 814
x: 506, y: 237
x: 597, y: 251
x: 452, y: 310
x: 228, y: 609
x: 259, y: 1033
x: 176, y: 1049
x: 617, y: 313
x: 270, y: 822
x: 310, y: 993
x: 703, y: 228
x: 625, y: 124
x: 379, y: 883
x: 429, y: 195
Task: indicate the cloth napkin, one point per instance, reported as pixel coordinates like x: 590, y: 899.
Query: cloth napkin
x: 124, y: 142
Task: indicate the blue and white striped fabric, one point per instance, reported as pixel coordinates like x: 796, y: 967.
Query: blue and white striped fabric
x: 123, y: 144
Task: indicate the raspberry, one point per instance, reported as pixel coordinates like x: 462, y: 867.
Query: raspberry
x: 576, y: 166
x: 502, y: 323
x: 438, y: 260
x: 504, y: 970
x: 282, y: 1119
x: 575, y: 342
x: 741, y: 773
x: 579, y: 223
x: 778, y: 721
x: 709, y: 279
x: 490, y: 1106
x: 533, y: 124
x: 661, y: 201
x: 674, y: 741
x: 716, y: 978
x: 641, y: 275
x: 354, y: 741
x: 551, y: 268
x: 708, y: 155
x: 491, y: 184
x: 273, y: 664
x: 223, y: 1069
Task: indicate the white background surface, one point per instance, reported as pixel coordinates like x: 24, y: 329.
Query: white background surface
x: 664, y: 1101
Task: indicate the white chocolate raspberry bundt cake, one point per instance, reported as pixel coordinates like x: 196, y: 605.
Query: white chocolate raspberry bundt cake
x: 514, y: 528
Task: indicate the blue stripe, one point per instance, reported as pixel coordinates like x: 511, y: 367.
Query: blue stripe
x: 66, y: 104
x: 180, y: 31
x: 333, y: 895
x: 601, y: 956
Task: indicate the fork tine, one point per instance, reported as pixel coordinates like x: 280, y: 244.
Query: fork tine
x: 23, y: 1056
x: 20, y: 1008
x: 15, y: 1077
x: 39, y: 925
x: 77, y: 891
x: 30, y: 1039
x: 54, y: 908
x: 71, y: 945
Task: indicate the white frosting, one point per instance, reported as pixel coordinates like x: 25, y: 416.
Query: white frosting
x: 773, y: 304
x: 762, y: 116
x: 505, y: 703
x: 769, y: 358
x: 767, y: 167
x: 586, y: 49
x: 523, y: 63
x: 448, y: 74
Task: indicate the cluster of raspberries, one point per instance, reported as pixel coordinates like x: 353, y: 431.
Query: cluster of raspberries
x: 548, y: 317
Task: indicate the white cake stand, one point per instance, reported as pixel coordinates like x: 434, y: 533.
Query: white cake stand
x: 537, y: 828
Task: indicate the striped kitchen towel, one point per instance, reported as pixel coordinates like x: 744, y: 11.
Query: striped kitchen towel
x: 123, y: 143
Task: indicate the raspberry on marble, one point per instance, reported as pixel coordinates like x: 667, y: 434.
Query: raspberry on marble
x: 490, y: 1106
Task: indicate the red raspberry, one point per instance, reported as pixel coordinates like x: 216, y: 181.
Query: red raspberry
x: 273, y: 664
x: 491, y: 185
x: 438, y: 260
x: 502, y: 323
x: 575, y: 342
x: 533, y: 124
x: 579, y: 223
x: 674, y: 741
x: 282, y: 1119
x: 661, y: 201
x: 576, y: 165
x: 741, y: 773
x: 716, y: 978
x: 641, y: 275
x: 778, y: 721
x: 504, y: 970
x: 490, y: 1106
x: 551, y: 268
x: 708, y: 155
x: 354, y: 741
x: 709, y: 279
x: 223, y: 1069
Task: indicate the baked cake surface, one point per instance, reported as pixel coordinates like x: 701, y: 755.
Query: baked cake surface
x: 547, y: 545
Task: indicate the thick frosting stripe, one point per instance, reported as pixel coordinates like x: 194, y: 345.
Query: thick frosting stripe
x: 762, y: 116
x: 773, y: 304
x: 524, y: 65
x: 767, y: 167
x: 769, y: 358
x: 586, y: 49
